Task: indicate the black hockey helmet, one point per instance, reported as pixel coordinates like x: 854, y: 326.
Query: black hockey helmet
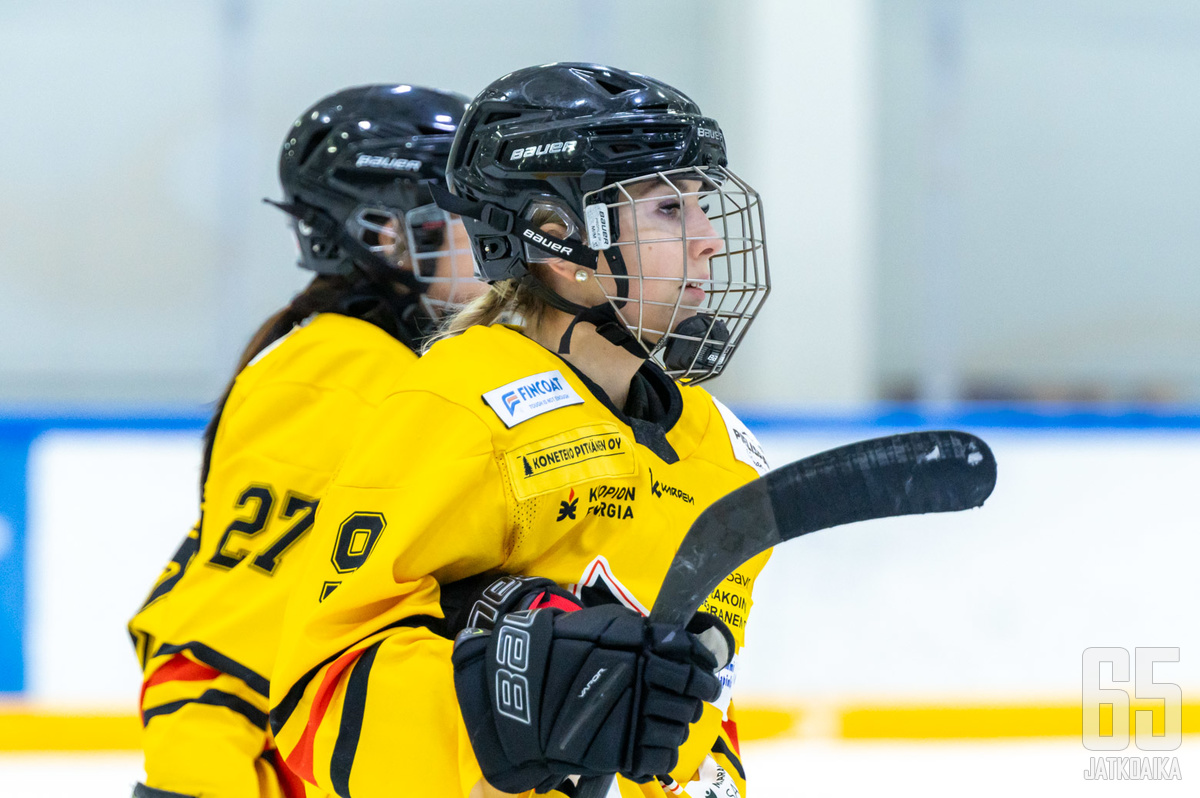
x: 364, y: 157
x: 571, y: 138
x: 546, y: 135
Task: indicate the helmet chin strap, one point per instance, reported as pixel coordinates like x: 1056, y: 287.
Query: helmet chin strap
x: 603, y: 316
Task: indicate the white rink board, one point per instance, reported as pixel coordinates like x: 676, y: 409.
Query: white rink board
x: 777, y: 769
x: 106, y: 512
x: 1089, y: 540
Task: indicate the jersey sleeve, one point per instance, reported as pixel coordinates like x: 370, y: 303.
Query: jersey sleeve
x: 727, y: 755
x: 205, y: 734
x: 419, y: 502
x: 714, y: 737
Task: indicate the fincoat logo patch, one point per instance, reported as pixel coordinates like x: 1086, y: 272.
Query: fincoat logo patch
x: 531, y: 396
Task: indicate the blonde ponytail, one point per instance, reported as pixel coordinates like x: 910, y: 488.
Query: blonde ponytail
x: 506, y: 300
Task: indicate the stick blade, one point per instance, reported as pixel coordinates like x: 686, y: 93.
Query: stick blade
x: 908, y: 474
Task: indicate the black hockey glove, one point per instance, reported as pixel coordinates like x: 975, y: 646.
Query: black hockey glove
x: 142, y: 791
x: 549, y: 694
x: 479, y: 600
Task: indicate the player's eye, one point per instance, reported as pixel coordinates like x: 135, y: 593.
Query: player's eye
x: 669, y: 208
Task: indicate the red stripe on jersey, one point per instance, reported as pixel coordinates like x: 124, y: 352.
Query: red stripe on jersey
x: 730, y: 727
x: 301, y: 758
x: 553, y: 600
x: 181, y: 669
x: 177, y: 669
x: 290, y: 784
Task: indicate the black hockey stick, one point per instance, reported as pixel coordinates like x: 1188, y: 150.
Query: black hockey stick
x: 909, y: 474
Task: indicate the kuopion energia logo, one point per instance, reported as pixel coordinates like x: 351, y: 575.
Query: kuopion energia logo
x: 1157, y: 713
x: 566, y: 509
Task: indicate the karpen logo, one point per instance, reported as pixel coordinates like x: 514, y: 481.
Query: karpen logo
x: 567, y: 509
x: 660, y: 490
x: 511, y: 400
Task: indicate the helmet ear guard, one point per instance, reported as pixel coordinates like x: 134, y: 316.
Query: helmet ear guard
x: 503, y: 222
x: 509, y: 226
x: 326, y: 232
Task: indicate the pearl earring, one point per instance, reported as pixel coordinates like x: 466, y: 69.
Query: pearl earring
x: 581, y: 275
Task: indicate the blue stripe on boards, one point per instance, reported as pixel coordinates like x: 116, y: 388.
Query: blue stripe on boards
x: 1047, y: 417
x: 14, y: 459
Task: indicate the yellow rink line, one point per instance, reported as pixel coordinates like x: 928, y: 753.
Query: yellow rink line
x: 53, y: 731
x: 994, y: 721
x: 28, y: 730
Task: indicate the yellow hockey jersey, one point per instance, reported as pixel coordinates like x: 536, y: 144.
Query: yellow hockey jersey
x: 493, y: 455
x: 208, y: 633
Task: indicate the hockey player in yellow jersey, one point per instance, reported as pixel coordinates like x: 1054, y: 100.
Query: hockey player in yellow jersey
x: 388, y: 263
x: 471, y: 615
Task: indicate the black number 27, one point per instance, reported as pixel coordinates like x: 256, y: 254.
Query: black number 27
x: 296, y: 507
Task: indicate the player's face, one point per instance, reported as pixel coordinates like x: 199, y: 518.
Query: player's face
x: 667, y: 238
x: 434, y: 246
x: 454, y: 270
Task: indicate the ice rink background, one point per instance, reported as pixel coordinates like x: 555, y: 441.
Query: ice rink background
x: 966, y: 200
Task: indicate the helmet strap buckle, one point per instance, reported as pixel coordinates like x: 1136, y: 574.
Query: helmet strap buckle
x: 497, y: 218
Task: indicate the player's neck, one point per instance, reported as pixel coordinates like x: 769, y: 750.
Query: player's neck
x: 609, y: 366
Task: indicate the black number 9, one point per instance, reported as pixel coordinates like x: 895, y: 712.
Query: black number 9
x: 356, y: 538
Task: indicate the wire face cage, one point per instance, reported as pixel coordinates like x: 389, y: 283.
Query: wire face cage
x: 692, y: 271
x: 434, y: 245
